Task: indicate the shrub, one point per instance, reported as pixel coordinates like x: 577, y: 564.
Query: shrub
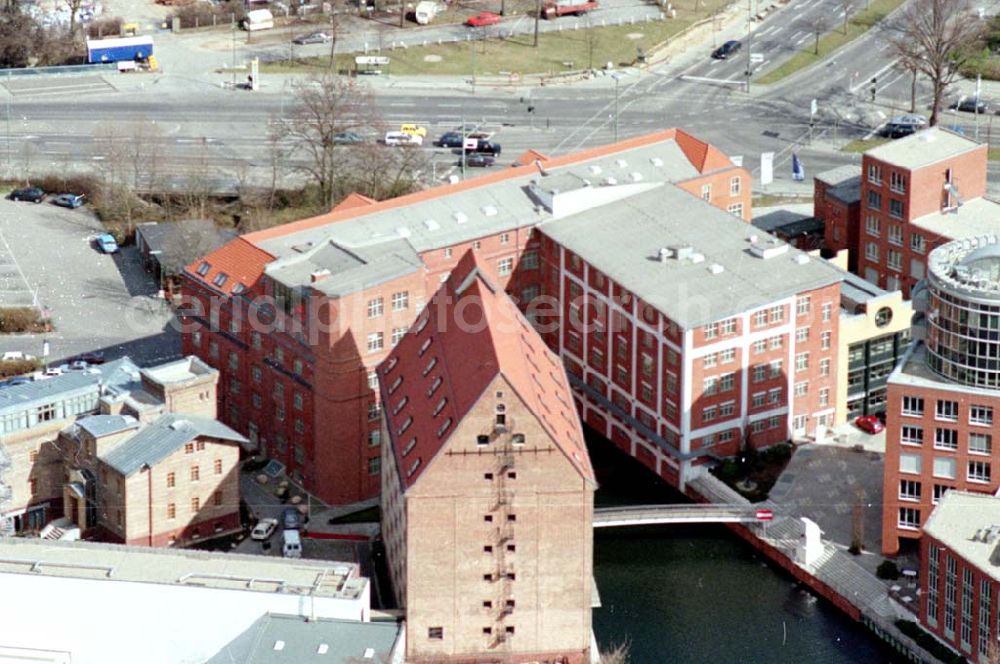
x: 9, y: 368
x: 105, y: 27
x: 887, y: 570
x: 779, y: 453
x: 854, y: 549
x: 929, y: 643
x: 728, y: 471
x: 16, y: 320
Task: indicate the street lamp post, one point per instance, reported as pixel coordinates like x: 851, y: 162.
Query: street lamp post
x: 234, y: 55
x: 617, y: 78
x: 749, y: 39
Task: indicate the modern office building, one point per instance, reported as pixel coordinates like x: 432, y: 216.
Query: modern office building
x: 297, y: 317
x: 125, y: 454
x: 485, y: 474
x: 944, y: 393
x: 959, y: 574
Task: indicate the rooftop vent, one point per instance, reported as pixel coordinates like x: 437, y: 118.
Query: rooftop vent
x: 454, y: 179
x: 621, y: 163
x: 752, y: 238
x: 636, y: 176
x: 683, y: 252
x: 656, y: 161
x: 595, y: 169
x: 279, y: 645
x: 665, y: 254
x: 460, y: 217
x: 177, y: 425
x: 801, y: 259
x: 610, y: 180
x: 369, y: 653
x: 403, y: 231
x: 489, y: 210
x: 302, y: 248
x: 319, y: 275
x: 768, y: 248
x: 697, y: 258
x: 715, y: 268
x: 541, y: 169
x: 323, y: 649
x: 431, y: 225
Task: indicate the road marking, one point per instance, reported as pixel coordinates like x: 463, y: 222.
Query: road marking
x: 765, y: 31
x: 802, y: 40
x: 799, y: 34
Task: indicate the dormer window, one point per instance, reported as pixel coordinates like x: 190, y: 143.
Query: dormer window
x: 424, y: 346
x: 435, y: 385
x: 203, y: 269
x: 440, y: 406
x: 430, y: 365
x: 220, y: 279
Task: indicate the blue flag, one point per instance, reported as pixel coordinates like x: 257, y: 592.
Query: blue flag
x: 798, y: 172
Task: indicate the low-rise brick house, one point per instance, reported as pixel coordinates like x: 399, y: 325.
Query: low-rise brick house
x: 485, y: 474
x: 837, y: 203
x: 130, y: 455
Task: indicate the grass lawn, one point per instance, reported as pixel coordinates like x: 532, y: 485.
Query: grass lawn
x: 770, y: 200
x: 860, y: 145
x: 859, y: 24
x: 557, y: 51
x: 993, y: 154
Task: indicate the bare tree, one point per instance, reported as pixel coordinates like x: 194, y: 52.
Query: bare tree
x: 847, y: 6
x: 326, y: 105
x: 381, y: 172
x: 937, y: 37
x: 74, y: 7
x: 593, y: 40
x: 817, y: 26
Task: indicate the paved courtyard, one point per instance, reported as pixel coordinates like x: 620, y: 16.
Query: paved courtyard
x: 96, y: 301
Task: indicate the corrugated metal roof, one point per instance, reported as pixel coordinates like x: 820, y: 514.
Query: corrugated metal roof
x: 282, y: 639
x: 102, y: 425
x: 118, y: 374
x: 161, y: 438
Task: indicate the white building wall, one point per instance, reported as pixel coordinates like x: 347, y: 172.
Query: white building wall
x: 100, y: 621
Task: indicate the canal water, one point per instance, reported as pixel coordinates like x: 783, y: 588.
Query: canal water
x: 700, y: 595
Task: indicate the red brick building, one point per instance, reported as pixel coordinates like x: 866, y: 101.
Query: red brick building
x: 959, y: 583
x: 487, y: 488
x: 917, y: 193
x: 943, y: 395
x: 837, y: 203
x: 297, y: 317
x: 687, y: 333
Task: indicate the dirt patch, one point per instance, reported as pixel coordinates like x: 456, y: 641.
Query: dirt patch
x: 433, y: 58
x: 634, y: 35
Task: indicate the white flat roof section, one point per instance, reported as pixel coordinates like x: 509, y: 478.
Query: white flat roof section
x: 923, y: 148
x: 969, y: 525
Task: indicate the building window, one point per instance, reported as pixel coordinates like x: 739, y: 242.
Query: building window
x: 727, y: 409
x: 171, y: 480
x: 939, y: 491
x: 195, y: 504
x: 944, y: 467
x: 981, y: 415
x: 435, y: 633
x: 217, y: 498
x: 375, y: 342
x: 195, y: 473
x: 374, y: 465
x: 234, y: 361
x: 895, y: 261
x: 801, y: 362
x: 802, y: 389
x: 824, y: 396
x: 897, y: 183
x: 909, y: 518
x: 375, y: 307
x: 775, y: 366
x: 802, y: 306
x: 171, y: 511
x: 374, y: 438
x: 774, y: 395
x: 477, y: 245
x: 874, y: 200
x: 827, y: 312
x: 875, y: 174
x: 801, y: 334
x: 896, y: 210
x: 706, y: 192
x: 297, y: 401
x: 909, y: 490
x: 757, y: 400
x: 727, y: 327
x: 918, y: 244
x: 400, y: 301
x: 979, y: 471
x: 980, y: 443
x: 946, y: 410
x: 736, y: 209
x: 872, y: 225
x: 734, y: 185
x: 727, y: 382
x: 950, y: 583
x: 824, y: 367
x: 217, y: 466
x: 871, y: 251
x: 759, y: 346
x: 529, y: 260
x: 913, y: 406
x: 374, y: 411
x: 708, y: 414
x: 728, y: 355
x: 776, y: 343
x: 710, y: 385
x: 911, y: 435
x: 709, y: 361
x: 760, y: 318
x: 945, y: 439
x: 505, y: 266
x: 933, y: 557
x: 397, y: 335
x: 824, y: 340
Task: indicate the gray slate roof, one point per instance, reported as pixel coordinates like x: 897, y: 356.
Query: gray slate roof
x: 302, y: 640
x: 117, y: 374
x: 844, y: 183
x: 161, y: 438
x: 102, y: 425
x: 623, y: 240
x: 179, y: 243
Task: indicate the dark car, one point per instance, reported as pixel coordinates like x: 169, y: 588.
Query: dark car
x: 347, y: 138
x: 486, y: 147
x: 312, y: 38
x: 33, y: 194
x: 93, y: 357
x: 71, y: 201
x: 971, y: 105
x: 291, y: 519
x: 731, y: 47
x: 903, y: 125
x: 450, y: 139
x: 479, y: 160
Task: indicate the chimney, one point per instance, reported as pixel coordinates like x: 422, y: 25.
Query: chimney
x: 319, y: 275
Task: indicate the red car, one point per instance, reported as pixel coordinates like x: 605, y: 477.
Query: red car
x: 482, y: 19
x: 870, y: 423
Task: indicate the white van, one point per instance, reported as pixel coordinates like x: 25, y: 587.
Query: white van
x: 399, y: 138
x: 258, y: 19
x: 292, y: 544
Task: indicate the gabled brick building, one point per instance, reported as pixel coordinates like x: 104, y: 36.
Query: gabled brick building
x: 296, y: 318
x: 485, y: 474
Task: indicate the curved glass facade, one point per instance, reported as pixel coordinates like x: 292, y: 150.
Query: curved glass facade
x: 963, y: 328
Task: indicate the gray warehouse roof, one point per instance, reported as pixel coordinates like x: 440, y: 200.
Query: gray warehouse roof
x: 116, y: 374
x: 283, y: 639
x: 162, y: 437
x: 723, y: 278
x: 923, y: 148
x: 102, y: 425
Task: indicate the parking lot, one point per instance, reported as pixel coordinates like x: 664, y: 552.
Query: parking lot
x: 96, y: 301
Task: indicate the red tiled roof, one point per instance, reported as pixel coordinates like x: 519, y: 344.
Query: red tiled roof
x: 354, y: 200
x: 529, y: 157
x: 241, y: 261
x: 702, y: 155
x: 464, y: 360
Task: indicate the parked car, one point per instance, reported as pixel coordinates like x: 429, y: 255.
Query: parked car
x: 486, y: 147
x: 413, y: 129
x: 17, y: 380
x: 32, y: 194
x: 903, y: 125
x: 291, y: 519
x: 92, y: 357
x: 971, y: 105
x: 869, y: 424
x: 264, y: 529
x: 482, y: 19
x: 347, y: 138
x: 449, y: 139
x: 731, y: 47
x: 71, y: 201
x: 107, y: 243
x: 312, y: 38
x: 16, y: 355
x: 479, y: 160
x: 400, y: 138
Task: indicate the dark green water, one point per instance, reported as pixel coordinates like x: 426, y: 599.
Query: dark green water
x: 700, y: 595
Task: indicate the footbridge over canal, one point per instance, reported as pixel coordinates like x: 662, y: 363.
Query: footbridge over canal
x: 648, y: 515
